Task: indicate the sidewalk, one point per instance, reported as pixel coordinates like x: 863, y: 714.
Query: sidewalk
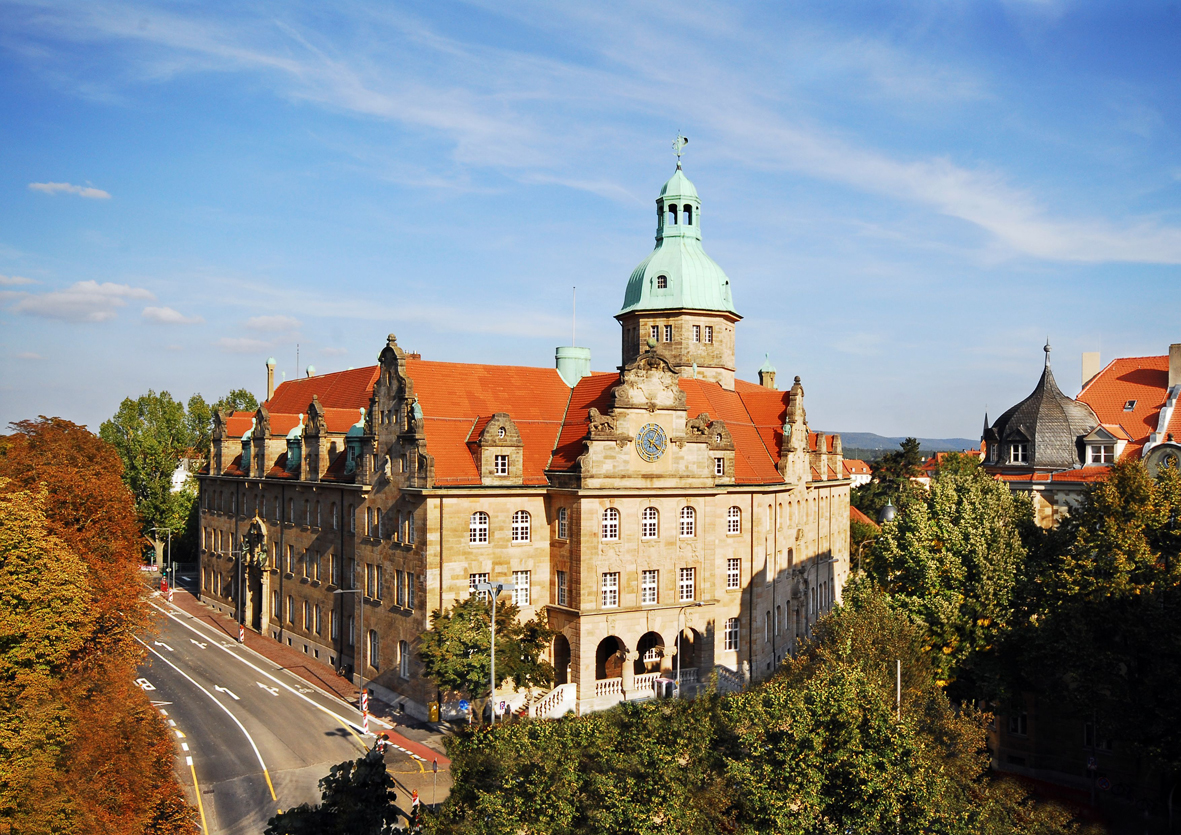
x: 411, y: 736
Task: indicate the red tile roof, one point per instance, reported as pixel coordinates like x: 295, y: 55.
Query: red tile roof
x: 855, y: 466
x: 238, y: 424
x: 856, y: 515
x: 340, y: 390
x: 1084, y: 475
x: 754, y: 463
x: 1143, y: 379
x: 593, y: 391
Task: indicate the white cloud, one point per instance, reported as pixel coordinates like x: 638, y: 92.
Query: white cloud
x: 84, y: 301
x: 14, y: 280
x: 29, y: 355
x: 68, y: 188
x: 168, y: 316
x: 334, y: 352
x: 274, y: 324
x: 242, y: 345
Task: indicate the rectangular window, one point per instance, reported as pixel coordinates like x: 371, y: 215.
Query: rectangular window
x: 719, y: 466
x: 697, y: 333
x: 1019, y: 453
x: 654, y: 333
x: 370, y: 584
x: 404, y: 659
x: 410, y: 528
x: 1019, y: 724
x: 352, y: 631
x: 501, y: 465
x: 709, y: 334
x: 380, y: 582
x: 400, y: 587
x: 409, y: 590
x: 317, y: 613
x: 290, y: 610
x: 668, y: 333
x: 1103, y: 454
x: 276, y: 612
x: 648, y: 586
x: 733, y: 573
x: 563, y: 523
x: 305, y: 562
x: 334, y: 624
x: 334, y: 566
x: 290, y: 559
x: 687, y: 583
x: 732, y: 634
x: 562, y: 589
x: 611, y: 590
x: 474, y: 580
x: 521, y: 592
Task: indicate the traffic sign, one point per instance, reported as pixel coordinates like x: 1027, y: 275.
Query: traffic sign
x: 1092, y: 764
x: 1103, y: 783
x: 464, y: 706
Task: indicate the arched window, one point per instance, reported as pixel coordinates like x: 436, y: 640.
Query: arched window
x: 662, y: 282
x: 734, y: 520
x: 404, y: 659
x: 563, y: 523
x: 650, y: 523
x: 521, y: 526
x: 374, y: 650
x: 688, y: 521
x: 688, y: 210
x: 611, y: 525
x: 477, y: 531
x: 672, y: 215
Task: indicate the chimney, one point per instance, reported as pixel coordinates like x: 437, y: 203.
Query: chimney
x: 311, y: 371
x: 573, y: 364
x: 767, y: 373
x: 1175, y: 364
x: 270, y: 378
x: 1091, y: 365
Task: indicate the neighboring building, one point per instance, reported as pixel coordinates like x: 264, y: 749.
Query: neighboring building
x: 858, y: 472
x: 1053, y: 446
x: 621, y: 504
x: 931, y: 465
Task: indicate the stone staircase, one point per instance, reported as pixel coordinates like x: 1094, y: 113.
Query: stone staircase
x: 555, y: 703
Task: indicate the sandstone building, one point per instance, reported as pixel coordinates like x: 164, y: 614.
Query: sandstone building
x: 662, y: 509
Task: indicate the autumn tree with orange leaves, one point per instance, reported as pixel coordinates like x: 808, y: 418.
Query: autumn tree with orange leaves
x: 83, y: 750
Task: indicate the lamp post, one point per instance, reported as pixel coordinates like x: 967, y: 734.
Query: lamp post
x: 494, y: 590
x: 361, y: 629
x: 681, y: 639
x: 861, y: 548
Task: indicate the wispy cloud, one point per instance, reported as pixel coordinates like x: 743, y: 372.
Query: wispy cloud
x: 334, y: 352
x: 84, y: 301
x: 29, y: 355
x: 68, y: 188
x: 242, y: 345
x: 168, y: 316
x: 14, y: 280
x: 273, y: 324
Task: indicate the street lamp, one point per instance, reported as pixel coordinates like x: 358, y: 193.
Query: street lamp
x: 494, y: 590
x: 860, y: 548
x: 887, y: 513
x: 681, y: 639
x: 168, y: 556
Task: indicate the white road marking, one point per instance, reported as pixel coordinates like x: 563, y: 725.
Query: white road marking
x: 162, y: 644
x: 164, y: 713
x: 179, y: 734
x: 171, y: 723
x: 184, y: 746
x: 281, y: 683
x: 198, y: 643
x: 188, y: 760
x: 227, y: 692
x: 145, y: 685
x: 274, y: 691
x: 241, y: 727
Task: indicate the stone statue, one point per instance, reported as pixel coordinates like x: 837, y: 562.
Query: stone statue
x: 600, y: 424
x: 698, y: 425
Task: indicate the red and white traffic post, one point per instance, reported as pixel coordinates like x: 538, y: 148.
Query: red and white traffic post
x: 365, y: 712
x: 241, y: 634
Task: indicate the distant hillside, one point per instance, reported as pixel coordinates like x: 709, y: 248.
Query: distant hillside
x: 868, y: 446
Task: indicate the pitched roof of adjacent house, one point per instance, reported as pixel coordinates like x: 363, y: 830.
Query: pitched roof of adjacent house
x: 855, y: 466
x: 856, y: 515
x: 1142, y: 383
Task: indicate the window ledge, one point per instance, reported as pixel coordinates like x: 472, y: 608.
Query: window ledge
x: 303, y: 581
x: 315, y: 584
x: 287, y: 575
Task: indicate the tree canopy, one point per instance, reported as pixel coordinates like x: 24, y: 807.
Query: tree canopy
x: 456, y: 652
x: 357, y: 798
x: 891, y: 473
x: 84, y: 749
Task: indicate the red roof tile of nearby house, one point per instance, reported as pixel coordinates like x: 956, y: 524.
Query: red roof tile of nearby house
x: 1142, y: 379
x: 1084, y: 475
x: 856, y: 515
x: 238, y: 424
x: 350, y: 389
x: 341, y: 420
x: 454, y: 395
x: 855, y: 466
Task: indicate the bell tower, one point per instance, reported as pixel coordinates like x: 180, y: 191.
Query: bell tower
x: 678, y: 299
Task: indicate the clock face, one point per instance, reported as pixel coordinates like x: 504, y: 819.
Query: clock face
x: 651, y: 441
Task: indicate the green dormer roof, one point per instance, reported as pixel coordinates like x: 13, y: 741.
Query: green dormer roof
x: 678, y: 275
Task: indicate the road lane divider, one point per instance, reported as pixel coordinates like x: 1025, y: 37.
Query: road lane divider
x: 351, y: 726
x: 197, y: 789
x: 228, y: 712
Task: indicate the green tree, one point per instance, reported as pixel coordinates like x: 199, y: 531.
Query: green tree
x: 891, y: 474
x: 956, y: 463
x: 199, y: 417
x: 952, y: 561
x: 456, y: 654
x: 356, y: 798
x: 1103, y: 633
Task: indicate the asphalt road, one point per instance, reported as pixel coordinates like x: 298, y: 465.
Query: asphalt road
x: 251, y: 737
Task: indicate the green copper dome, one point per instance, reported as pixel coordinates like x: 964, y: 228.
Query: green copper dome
x: 678, y: 275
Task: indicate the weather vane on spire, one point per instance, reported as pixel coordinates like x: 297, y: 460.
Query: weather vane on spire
x: 679, y: 146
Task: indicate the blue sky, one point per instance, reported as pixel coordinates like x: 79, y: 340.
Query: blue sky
x: 908, y: 198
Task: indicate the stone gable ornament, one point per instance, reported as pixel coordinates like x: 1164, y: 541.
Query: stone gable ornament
x: 600, y: 424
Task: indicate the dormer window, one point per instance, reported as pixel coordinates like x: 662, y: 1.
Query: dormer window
x: 1130, y: 406
x: 1102, y: 453
x: 500, y: 464
x: 662, y: 282
x: 500, y: 432
x: 1018, y: 453
x: 294, y: 447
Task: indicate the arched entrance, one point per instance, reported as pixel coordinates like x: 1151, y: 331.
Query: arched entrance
x: 561, y: 660
x: 651, y: 651
x: 609, y: 658
x: 689, y: 649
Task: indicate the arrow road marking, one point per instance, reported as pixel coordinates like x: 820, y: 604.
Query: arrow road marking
x: 274, y: 691
x: 227, y: 692
x: 198, y: 643
x: 162, y: 644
